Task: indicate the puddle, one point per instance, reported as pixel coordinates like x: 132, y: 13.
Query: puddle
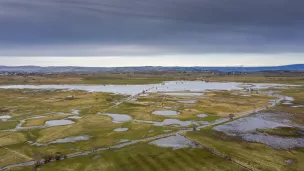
x: 63, y: 140
x: 58, y: 122
x: 22, y: 97
x: 287, y: 103
x: 165, y: 112
x: 123, y: 140
x: 143, y: 95
x: 119, y: 118
x: 175, y: 142
x: 246, y: 95
x: 188, y: 101
x: 37, y: 117
x: 298, y: 106
x: 71, y: 139
x: 289, y: 161
x: 74, y: 117
x: 288, y: 98
x: 75, y: 111
x: 168, y: 122
x: 121, y: 129
x: 5, y: 117
x: 184, y: 94
x: 202, y: 115
x: 167, y: 130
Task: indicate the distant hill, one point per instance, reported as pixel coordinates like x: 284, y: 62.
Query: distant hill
x: 295, y: 67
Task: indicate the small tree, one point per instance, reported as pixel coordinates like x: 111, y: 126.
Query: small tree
x: 231, y: 116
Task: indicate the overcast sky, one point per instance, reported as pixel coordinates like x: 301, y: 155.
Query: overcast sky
x: 151, y: 32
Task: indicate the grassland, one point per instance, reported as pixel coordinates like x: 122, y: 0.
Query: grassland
x: 86, y: 79
x: 216, y: 104
x: 22, y: 104
x: 41, y: 121
x: 151, y: 78
x: 253, y: 155
x: 145, y: 157
x: 258, y: 156
x: 25, y: 104
x: 297, y: 114
x: 8, y: 124
x: 282, y: 131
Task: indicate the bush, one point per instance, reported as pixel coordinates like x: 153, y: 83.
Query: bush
x: 58, y: 156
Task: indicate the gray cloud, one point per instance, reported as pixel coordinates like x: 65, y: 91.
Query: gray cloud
x: 147, y: 27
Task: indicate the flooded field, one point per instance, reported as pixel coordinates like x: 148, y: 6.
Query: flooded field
x: 170, y: 86
x: 87, y: 120
x: 251, y: 129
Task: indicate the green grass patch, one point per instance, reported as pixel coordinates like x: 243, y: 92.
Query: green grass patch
x: 283, y: 131
x: 8, y: 124
x: 145, y: 157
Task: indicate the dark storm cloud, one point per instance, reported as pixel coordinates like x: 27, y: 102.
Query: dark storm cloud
x: 146, y: 27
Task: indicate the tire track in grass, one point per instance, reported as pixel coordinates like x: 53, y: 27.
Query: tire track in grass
x: 186, y: 160
x: 175, y: 164
x: 152, y: 161
x: 135, y: 165
x: 119, y: 163
x: 196, y: 159
x: 147, y: 162
x: 162, y: 163
x: 159, y: 161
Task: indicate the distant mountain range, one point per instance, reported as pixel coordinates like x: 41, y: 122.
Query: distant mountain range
x: 52, y: 69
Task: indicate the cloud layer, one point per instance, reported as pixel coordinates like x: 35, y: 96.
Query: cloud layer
x: 149, y: 27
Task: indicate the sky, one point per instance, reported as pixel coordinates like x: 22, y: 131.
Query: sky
x: 151, y: 32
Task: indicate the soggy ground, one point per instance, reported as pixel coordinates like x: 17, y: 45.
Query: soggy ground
x: 83, y: 121
x: 249, y: 129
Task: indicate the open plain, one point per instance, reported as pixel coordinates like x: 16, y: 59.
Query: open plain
x: 148, y: 122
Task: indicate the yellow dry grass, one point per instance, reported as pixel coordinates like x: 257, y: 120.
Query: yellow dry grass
x: 89, y: 123
x: 41, y: 121
x: 10, y: 138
